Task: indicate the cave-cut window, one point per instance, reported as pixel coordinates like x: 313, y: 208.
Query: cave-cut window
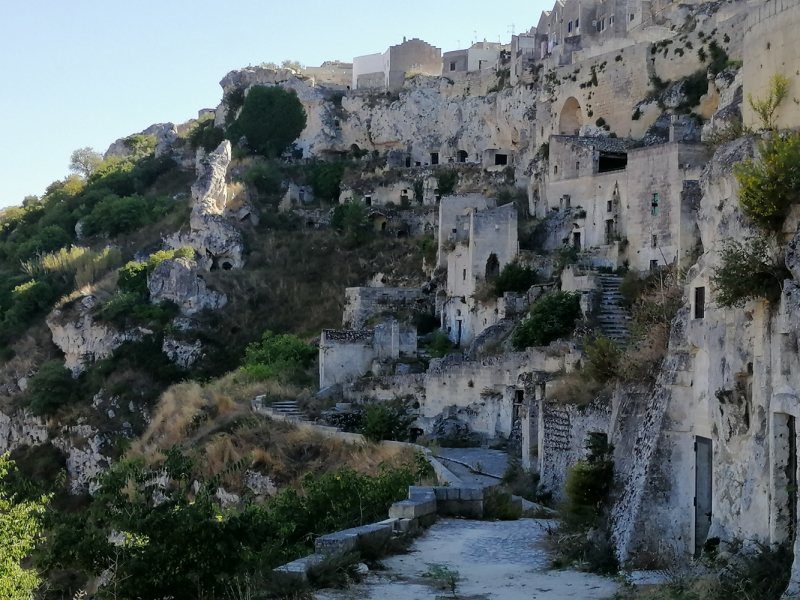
x: 699, y: 302
x: 408, y: 161
x: 462, y: 156
x: 492, y: 267
x: 434, y: 158
x: 500, y: 159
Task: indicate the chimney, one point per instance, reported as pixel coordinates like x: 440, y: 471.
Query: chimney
x: 404, y: 39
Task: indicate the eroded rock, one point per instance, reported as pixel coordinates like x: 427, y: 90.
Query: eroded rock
x: 176, y: 280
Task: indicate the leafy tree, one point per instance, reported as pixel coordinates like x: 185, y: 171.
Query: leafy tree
x: 326, y: 180
x: 446, y: 182
x: 589, y: 481
x: 28, y: 300
x: 20, y: 529
x: 276, y: 354
x: 382, y: 422
x: 352, y: 221
x: 768, y: 187
x: 747, y: 271
x: 132, y: 278
x: 271, y: 119
x: 765, y: 109
x: 51, y: 388
x: 117, y: 216
x: 140, y: 145
x: 514, y: 278
x: 551, y: 318
x: 84, y: 161
x: 206, y: 135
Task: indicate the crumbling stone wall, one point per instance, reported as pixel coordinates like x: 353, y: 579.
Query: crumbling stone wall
x: 361, y: 303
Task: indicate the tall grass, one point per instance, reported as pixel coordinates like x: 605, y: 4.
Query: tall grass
x: 82, y: 265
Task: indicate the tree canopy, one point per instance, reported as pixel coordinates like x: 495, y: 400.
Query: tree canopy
x: 271, y: 119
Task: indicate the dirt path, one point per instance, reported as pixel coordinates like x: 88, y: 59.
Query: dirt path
x: 495, y: 561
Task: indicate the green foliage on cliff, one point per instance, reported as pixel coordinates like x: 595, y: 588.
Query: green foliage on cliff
x: 514, y: 278
x: 174, y: 541
x: 271, y: 119
x: 352, y: 221
x: 769, y: 186
x: 551, y: 318
x: 277, y: 355
x: 382, y: 422
x: 51, y: 388
x: 20, y: 528
x: 748, y: 270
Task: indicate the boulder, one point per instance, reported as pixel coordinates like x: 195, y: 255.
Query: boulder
x: 176, y: 279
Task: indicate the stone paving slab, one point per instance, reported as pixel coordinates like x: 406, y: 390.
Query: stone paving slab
x: 492, y: 462
x: 500, y: 560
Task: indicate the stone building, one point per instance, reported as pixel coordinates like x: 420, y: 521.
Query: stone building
x: 348, y: 354
x: 479, y: 56
x: 388, y: 70
x: 361, y: 303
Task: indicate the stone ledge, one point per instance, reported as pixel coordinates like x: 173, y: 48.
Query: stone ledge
x: 341, y: 542
x: 412, y: 509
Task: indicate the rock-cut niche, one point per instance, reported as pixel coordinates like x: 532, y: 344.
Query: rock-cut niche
x: 571, y: 117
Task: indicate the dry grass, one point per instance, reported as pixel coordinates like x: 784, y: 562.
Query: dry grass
x: 574, y: 388
x: 216, y: 425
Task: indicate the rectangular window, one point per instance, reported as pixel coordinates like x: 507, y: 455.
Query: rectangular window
x: 555, y: 169
x: 434, y: 158
x: 632, y: 17
x: 567, y: 202
x: 611, y: 20
x: 653, y: 265
x: 655, y: 204
x: 452, y: 66
x: 699, y: 302
x: 577, y: 24
x: 464, y: 275
x: 569, y: 27
x: 654, y: 241
x: 608, y: 206
x: 577, y: 166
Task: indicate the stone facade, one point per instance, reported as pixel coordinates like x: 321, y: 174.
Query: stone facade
x: 389, y: 70
x: 361, y: 303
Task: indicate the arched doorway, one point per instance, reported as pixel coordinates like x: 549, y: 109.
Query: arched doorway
x: 492, y: 267
x: 571, y: 119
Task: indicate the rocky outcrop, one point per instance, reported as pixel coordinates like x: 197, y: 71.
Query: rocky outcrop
x: 20, y: 429
x: 216, y: 242
x: 166, y: 134
x: 182, y: 353
x: 176, y: 280
x: 84, y: 340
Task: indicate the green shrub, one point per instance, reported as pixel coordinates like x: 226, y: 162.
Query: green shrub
x: 589, y: 481
x: 116, y: 216
x: 551, y: 318
x: 205, y: 135
x: 382, y: 422
x: 277, y: 354
x: 51, y: 388
x: 768, y: 187
x: 497, y: 505
x: 352, y: 221
x: 271, y: 119
x: 765, y: 109
x: 140, y: 145
x: 602, y: 359
x: 132, y: 278
x: 748, y: 271
x: 514, y: 278
x: 264, y: 177
x: 326, y: 180
x: 446, y: 182
x: 440, y: 345
x: 28, y: 300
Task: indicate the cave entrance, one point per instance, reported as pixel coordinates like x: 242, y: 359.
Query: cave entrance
x: 462, y: 156
x: 703, y: 484
x: 492, y: 267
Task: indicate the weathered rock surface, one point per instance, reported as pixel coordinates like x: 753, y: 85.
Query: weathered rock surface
x: 84, y: 340
x: 176, y: 279
x: 182, y: 353
x: 217, y: 243
x: 166, y: 134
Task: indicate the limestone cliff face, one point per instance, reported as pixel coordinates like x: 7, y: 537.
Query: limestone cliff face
x: 82, y: 339
x: 177, y: 280
x: 217, y: 243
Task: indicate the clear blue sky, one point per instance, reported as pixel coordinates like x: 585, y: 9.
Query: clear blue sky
x: 77, y: 73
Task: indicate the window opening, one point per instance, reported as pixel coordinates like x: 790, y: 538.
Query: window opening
x: 699, y: 302
x: 655, y: 204
x: 434, y: 158
x: 500, y: 159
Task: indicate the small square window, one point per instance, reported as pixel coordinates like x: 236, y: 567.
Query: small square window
x: 653, y: 265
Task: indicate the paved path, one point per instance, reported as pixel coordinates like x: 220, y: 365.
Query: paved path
x: 475, y: 465
x: 498, y: 560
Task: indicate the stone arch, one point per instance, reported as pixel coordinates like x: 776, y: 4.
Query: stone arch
x: 492, y: 267
x: 571, y: 119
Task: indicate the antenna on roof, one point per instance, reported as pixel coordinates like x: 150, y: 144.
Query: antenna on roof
x: 512, y: 29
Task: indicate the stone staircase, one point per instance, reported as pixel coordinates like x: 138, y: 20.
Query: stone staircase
x: 612, y: 317
x: 288, y: 409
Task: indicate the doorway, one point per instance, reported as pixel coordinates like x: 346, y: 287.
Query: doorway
x: 703, y: 484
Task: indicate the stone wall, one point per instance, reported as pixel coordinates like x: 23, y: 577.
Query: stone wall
x: 361, y: 303
x: 770, y: 48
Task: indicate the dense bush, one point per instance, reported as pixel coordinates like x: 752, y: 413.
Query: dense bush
x: 602, y: 359
x: 326, y: 179
x: 352, y: 221
x: 271, y: 119
x: 264, y: 177
x: 383, y: 422
x: 276, y: 355
x: 769, y: 186
x: 589, y: 481
x: 551, y: 318
x: 514, y: 278
x: 51, y: 388
x: 440, y: 345
x: 176, y: 542
x: 747, y: 271
x: 206, y: 136
x: 446, y: 182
